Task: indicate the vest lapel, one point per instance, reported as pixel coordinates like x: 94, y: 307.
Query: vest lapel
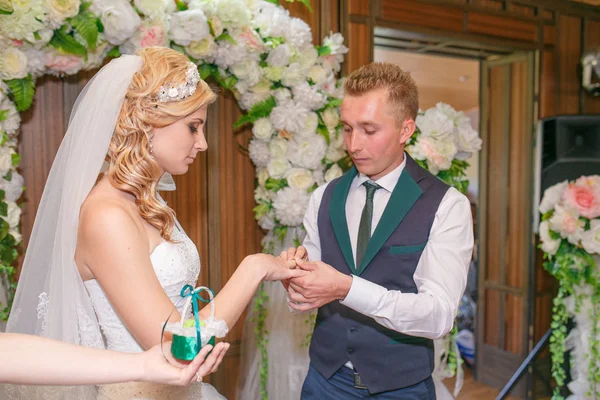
x: 404, y: 196
x: 337, y: 212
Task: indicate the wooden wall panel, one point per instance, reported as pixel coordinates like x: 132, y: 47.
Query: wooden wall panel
x: 422, y: 14
x: 358, y: 7
x: 42, y: 129
x: 498, y: 26
x: 591, y: 105
x: 518, y: 182
x: 548, y: 84
x: 360, y: 42
x: 569, y: 47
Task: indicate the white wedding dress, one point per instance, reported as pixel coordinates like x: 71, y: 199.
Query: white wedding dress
x: 176, y: 264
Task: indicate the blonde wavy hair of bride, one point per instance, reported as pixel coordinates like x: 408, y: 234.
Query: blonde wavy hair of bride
x: 132, y: 168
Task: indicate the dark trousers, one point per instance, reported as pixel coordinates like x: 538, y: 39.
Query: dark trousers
x: 341, y: 387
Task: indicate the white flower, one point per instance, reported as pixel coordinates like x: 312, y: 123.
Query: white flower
x: 279, y: 56
x: 439, y: 153
x: 263, y: 195
x: 277, y: 167
x: 27, y: 18
x: 307, y: 152
x: 435, y: 123
x: 317, y: 74
x: 333, y: 172
x: 307, y: 57
x: 308, y: 96
x: 282, y: 96
x: 250, y: 97
x: 271, y: 20
x: 35, y: 61
x: 566, y: 222
x: 450, y: 112
x: 153, y: 8
x: 293, y: 75
x: 278, y: 148
x: 13, y: 188
x: 273, y: 73
x: 13, y: 214
x: 334, y: 154
x: 331, y: 117
x: 468, y: 140
x: 259, y: 153
x: 188, y: 26
x: 228, y: 54
x: 11, y: 124
x: 552, y: 196
x: 233, y: 13
x: 289, y: 116
x: 263, y: 129
x: 262, y: 175
x: 309, y: 127
x: 13, y: 64
x: 119, y: 19
x: 247, y: 70
x: 299, y: 178
x: 6, y: 154
x: 290, y: 205
x: 15, y: 233
x: 549, y: 245
x: 318, y: 176
x: 335, y: 43
x: 59, y: 10
x: 590, y: 239
x: 298, y: 34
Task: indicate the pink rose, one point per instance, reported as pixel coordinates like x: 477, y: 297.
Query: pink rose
x: 152, y: 36
x: 251, y: 39
x: 585, y: 198
x: 17, y: 43
x: 68, y: 64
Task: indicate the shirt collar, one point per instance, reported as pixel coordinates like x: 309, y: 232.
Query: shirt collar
x: 388, y: 182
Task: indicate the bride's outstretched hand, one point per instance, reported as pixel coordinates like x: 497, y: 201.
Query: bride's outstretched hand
x: 276, y: 268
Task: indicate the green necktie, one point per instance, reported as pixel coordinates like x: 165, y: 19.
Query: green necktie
x: 364, y: 229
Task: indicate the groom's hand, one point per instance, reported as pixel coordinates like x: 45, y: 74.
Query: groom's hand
x: 322, y: 285
x: 292, y: 257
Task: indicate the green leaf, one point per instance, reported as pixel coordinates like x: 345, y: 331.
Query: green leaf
x: 181, y: 6
x: 227, y: 37
x: 85, y: 5
x: 66, y: 43
x: 323, y: 131
x: 85, y: 24
x: 37, y: 36
x: 6, y: 7
x: 22, y: 92
x: 2, y: 195
x: 16, y: 159
x: 3, y: 115
x: 275, y: 184
x: 100, y: 25
x: 114, y: 52
x: 207, y: 70
x: 274, y: 41
x: 3, y: 209
x: 333, y: 102
x: 258, y: 111
x: 260, y: 210
x: 7, y: 177
x: 305, y: 2
x: 323, y: 50
x: 229, y: 82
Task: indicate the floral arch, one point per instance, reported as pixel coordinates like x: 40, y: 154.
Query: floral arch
x: 287, y: 87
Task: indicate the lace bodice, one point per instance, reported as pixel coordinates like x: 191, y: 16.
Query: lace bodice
x: 175, y: 264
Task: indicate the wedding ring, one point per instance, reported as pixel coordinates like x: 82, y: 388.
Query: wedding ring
x: 198, y: 377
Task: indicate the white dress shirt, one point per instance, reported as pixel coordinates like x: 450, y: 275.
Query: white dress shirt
x: 441, y: 273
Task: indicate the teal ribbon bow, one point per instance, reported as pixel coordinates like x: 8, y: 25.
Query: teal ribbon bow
x: 189, y: 291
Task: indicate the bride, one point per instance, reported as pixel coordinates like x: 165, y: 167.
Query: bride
x: 107, y: 259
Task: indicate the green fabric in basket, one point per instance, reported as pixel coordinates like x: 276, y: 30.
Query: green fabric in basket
x: 186, y: 347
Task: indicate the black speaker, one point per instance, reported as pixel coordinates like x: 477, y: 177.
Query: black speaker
x: 568, y: 146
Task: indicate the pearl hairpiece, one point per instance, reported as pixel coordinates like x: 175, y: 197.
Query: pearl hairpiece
x: 168, y: 93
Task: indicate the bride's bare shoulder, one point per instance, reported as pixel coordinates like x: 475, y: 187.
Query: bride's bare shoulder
x: 107, y: 210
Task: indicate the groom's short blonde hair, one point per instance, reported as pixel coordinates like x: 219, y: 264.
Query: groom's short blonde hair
x: 401, y: 88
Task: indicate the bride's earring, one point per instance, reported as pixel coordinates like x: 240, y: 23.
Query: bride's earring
x: 150, y: 145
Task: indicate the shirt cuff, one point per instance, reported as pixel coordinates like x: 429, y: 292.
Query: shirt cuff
x: 364, y: 296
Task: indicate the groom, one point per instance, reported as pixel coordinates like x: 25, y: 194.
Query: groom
x: 389, y: 246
